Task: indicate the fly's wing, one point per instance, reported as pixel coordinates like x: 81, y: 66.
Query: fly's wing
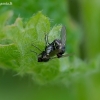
x: 63, y: 35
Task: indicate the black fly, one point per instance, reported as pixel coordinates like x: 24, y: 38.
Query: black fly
x: 57, y: 47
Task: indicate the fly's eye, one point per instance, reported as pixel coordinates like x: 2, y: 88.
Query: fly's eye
x: 39, y: 59
x: 56, y: 44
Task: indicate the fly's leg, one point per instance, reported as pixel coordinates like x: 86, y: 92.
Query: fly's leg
x: 46, y: 40
x: 66, y: 55
x: 59, y: 55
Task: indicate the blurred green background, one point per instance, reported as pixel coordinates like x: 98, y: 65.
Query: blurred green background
x: 82, y: 19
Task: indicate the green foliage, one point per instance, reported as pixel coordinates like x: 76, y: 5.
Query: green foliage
x: 91, y: 19
x: 15, y: 47
x: 79, y: 78
x: 55, y: 10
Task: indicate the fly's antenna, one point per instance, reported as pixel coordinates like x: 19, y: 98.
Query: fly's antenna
x: 37, y: 47
x: 46, y: 39
x: 34, y: 52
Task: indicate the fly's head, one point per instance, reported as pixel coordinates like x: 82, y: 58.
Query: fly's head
x: 43, y: 57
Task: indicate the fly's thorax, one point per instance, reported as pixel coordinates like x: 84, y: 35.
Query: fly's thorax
x: 57, y: 44
x: 49, y: 49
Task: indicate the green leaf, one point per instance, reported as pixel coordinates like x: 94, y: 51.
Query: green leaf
x: 9, y: 56
x: 16, y: 47
x: 21, y: 39
x: 4, y: 17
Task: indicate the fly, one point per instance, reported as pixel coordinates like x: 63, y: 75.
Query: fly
x: 57, y: 47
